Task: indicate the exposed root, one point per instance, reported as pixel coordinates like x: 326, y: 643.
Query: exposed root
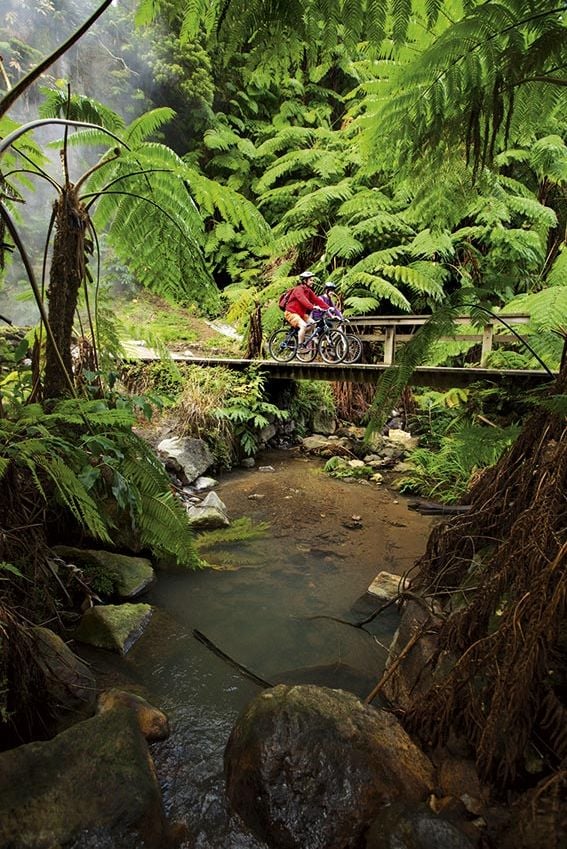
x: 506, y: 690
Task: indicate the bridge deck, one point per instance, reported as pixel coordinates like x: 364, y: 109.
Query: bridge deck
x: 440, y: 376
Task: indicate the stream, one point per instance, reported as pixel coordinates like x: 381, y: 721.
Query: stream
x: 268, y: 605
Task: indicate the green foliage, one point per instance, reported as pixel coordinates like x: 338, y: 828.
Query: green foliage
x: 318, y: 25
x: 226, y: 409
x: 310, y: 398
x: 445, y: 473
x: 338, y: 467
x: 85, y: 455
x: 459, y: 80
x: 249, y: 413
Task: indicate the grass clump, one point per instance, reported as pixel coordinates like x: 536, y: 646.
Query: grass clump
x: 227, y: 409
x: 225, y: 548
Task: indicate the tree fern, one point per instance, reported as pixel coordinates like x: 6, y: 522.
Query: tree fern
x: 319, y: 203
x: 341, y: 242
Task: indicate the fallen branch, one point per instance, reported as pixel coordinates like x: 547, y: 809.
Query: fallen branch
x: 243, y: 669
x: 392, y: 668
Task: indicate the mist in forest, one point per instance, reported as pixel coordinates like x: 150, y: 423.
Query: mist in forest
x: 107, y: 65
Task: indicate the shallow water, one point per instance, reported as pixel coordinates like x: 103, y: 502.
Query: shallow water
x: 271, y: 614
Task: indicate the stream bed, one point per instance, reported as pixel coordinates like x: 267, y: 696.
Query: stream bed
x: 271, y: 605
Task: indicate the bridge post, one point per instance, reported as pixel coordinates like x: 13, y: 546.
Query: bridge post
x: 487, y: 339
x: 389, y: 345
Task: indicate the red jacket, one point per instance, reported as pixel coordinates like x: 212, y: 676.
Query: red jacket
x: 302, y: 299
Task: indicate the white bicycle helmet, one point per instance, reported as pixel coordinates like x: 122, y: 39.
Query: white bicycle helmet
x: 306, y: 275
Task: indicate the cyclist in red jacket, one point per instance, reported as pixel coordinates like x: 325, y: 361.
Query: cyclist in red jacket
x: 301, y: 301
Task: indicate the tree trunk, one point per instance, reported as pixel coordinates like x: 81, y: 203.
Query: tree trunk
x: 66, y: 275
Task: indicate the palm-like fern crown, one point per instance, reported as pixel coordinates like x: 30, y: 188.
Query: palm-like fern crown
x: 152, y: 204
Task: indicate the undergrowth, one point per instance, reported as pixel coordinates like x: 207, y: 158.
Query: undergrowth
x: 312, y: 398
x: 227, y: 409
x: 444, y: 474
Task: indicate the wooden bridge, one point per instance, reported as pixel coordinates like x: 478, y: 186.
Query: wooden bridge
x: 392, y: 331
x: 439, y: 377
x: 395, y: 330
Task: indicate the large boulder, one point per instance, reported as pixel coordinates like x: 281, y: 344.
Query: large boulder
x: 96, y: 774
x: 323, y: 422
x: 309, y: 768
x: 193, y: 456
x: 115, y: 627
x: 126, y: 577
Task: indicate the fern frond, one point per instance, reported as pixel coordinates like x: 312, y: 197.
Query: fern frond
x: 286, y: 138
x: 382, y: 222
x: 414, y: 277
x: 316, y: 205
x: 75, y: 497
x: 232, y: 206
x: 533, y: 210
x: 143, y: 127
x: 325, y: 163
x: 549, y: 158
x: 78, y: 107
x: 377, y: 286
x: 342, y: 243
x: 292, y: 239
x: 164, y: 526
x: 547, y: 309
x: 364, y: 204
x: 431, y: 245
x: 558, y: 273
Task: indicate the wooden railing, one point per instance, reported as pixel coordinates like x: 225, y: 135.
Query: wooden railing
x: 385, y: 328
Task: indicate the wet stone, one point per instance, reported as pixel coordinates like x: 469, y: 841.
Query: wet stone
x: 114, y: 627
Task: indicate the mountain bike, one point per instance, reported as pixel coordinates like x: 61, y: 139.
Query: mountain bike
x: 282, y: 344
x: 322, y: 338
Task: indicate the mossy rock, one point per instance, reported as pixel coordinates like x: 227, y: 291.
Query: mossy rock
x: 97, y: 774
x: 112, y: 574
x: 115, y: 627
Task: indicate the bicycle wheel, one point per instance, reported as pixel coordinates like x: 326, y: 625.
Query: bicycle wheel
x: 354, y: 349
x: 309, y: 352
x: 282, y: 345
x: 333, y: 346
